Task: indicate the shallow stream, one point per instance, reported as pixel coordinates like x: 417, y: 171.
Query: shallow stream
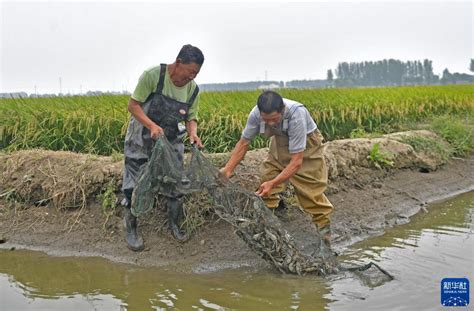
x: 434, y: 245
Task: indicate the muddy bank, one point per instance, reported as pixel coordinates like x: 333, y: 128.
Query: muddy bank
x: 58, y: 202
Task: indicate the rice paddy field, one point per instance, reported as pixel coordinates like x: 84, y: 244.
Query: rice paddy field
x: 98, y: 124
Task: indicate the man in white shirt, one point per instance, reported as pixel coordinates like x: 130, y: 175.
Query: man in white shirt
x: 295, y: 156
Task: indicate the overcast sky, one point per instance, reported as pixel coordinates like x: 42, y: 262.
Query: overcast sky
x: 106, y: 45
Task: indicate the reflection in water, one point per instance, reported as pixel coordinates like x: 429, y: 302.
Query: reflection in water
x: 15, y: 296
x: 433, y: 246
x: 34, y: 281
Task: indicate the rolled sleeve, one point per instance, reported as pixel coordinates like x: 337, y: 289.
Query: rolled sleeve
x: 252, y: 128
x: 193, y: 110
x: 144, y: 88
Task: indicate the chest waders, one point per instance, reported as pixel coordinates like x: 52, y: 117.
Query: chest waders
x: 309, y: 182
x: 167, y: 113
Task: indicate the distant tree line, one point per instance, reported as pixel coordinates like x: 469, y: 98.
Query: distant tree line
x: 387, y: 72
x: 392, y: 72
x: 455, y: 78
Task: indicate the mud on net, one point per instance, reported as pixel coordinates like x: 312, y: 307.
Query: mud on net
x: 261, y: 230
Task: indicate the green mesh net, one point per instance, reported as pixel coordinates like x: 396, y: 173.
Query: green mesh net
x: 261, y: 230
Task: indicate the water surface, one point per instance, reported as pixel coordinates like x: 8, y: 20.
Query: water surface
x: 433, y: 246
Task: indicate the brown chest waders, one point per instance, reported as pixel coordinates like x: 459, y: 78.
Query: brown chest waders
x: 309, y: 182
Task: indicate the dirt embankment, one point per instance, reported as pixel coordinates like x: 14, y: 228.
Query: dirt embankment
x: 60, y: 202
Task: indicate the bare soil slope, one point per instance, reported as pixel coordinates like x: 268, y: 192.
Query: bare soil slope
x: 49, y: 202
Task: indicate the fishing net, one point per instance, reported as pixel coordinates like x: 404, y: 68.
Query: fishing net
x: 261, y: 230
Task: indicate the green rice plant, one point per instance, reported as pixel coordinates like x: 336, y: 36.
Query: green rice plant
x: 98, y: 124
x: 108, y: 200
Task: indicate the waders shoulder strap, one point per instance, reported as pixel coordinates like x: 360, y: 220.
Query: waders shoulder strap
x: 193, y: 97
x: 161, y: 81
x: 286, y: 120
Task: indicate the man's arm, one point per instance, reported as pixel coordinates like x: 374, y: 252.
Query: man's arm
x: 191, y: 128
x: 136, y: 110
x: 237, y: 156
x: 294, y: 165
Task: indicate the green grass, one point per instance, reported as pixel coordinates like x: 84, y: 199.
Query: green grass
x: 459, y: 134
x: 379, y: 159
x: 429, y: 145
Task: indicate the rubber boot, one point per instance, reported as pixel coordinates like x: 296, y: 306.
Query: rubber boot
x: 133, y: 239
x: 326, y: 235
x: 175, y: 217
x: 326, y: 238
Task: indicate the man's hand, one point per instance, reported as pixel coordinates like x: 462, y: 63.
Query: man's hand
x: 191, y: 128
x: 223, y: 176
x: 156, y: 131
x: 194, y: 139
x: 264, y: 189
x: 224, y: 173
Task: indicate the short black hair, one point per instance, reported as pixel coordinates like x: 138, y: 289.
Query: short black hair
x: 269, y: 102
x: 191, y: 54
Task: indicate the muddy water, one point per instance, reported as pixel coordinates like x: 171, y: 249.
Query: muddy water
x: 433, y: 246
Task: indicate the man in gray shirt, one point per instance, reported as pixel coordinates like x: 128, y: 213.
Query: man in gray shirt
x: 295, y: 156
